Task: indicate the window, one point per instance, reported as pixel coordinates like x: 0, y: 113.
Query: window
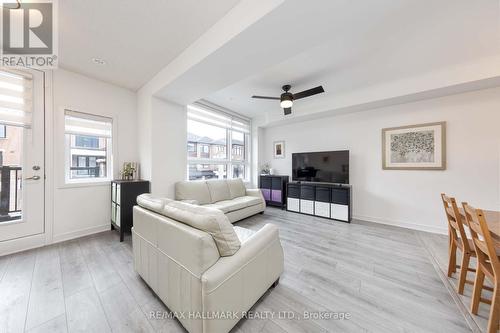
x: 217, y: 144
x: 88, y: 147
x: 191, y: 149
x: 84, y: 141
x: 3, y: 132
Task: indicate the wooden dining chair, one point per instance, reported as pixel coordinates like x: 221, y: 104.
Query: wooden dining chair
x: 488, y: 264
x: 458, y: 240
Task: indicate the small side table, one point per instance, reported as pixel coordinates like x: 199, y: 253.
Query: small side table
x: 123, y: 198
x: 273, y: 188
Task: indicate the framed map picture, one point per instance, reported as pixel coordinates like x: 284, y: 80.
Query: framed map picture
x: 415, y: 147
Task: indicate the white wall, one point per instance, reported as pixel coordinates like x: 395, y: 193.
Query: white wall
x: 408, y: 198
x: 79, y: 210
x: 257, y: 151
x: 169, y: 151
x: 144, y: 114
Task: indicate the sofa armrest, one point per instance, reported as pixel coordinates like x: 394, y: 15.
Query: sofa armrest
x: 233, y: 284
x: 260, y: 255
x: 255, y: 192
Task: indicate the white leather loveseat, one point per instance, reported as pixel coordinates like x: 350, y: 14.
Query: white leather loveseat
x: 206, y: 271
x: 230, y: 196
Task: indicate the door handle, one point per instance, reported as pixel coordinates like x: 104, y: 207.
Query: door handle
x: 33, y: 178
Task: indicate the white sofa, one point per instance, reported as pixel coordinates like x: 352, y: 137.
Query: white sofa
x: 230, y: 196
x: 204, y: 269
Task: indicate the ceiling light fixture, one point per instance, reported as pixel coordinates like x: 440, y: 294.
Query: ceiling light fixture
x: 286, y: 100
x: 99, y: 61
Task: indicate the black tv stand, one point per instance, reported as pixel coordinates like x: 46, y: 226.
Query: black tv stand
x: 328, y: 200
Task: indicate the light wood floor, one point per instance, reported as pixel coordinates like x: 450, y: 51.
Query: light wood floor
x: 382, y: 276
x: 437, y: 245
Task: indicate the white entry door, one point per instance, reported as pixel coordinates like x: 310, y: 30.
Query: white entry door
x: 22, y: 172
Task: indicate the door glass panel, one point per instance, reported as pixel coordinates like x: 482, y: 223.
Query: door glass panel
x: 11, y: 149
x: 22, y: 148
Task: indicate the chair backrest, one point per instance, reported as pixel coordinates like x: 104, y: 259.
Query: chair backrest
x: 455, y: 222
x: 481, y: 236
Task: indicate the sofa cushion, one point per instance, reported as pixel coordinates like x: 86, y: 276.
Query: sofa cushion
x: 218, y: 190
x: 236, y: 188
x: 193, y: 190
x: 210, y: 220
x: 248, y: 201
x: 227, y: 205
x: 192, y: 202
x: 149, y: 202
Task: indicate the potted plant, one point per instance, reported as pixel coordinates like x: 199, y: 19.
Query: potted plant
x: 265, y: 169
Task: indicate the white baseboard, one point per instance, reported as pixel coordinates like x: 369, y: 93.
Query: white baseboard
x: 21, y: 244
x: 32, y: 242
x: 414, y: 226
x: 80, y: 233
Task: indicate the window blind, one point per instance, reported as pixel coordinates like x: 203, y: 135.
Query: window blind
x: 16, y: 102
x: 218, y: 118
x: 79, y: 123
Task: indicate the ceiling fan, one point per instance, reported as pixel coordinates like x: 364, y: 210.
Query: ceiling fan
x: 286, y: 99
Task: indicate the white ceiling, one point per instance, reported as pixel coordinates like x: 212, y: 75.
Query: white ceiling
x: 367, y: 45
x: 135, y: 38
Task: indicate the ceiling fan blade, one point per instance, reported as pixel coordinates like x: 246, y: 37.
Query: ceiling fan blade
x: 309, y: 92
x: 287, y: 111
x: 265, y: 97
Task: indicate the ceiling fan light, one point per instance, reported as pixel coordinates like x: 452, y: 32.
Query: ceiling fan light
x: 286, y: 100
x: 286, y: 103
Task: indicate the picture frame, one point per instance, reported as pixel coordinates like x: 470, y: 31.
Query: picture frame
x: 279, y: 149
x: 414, y: 147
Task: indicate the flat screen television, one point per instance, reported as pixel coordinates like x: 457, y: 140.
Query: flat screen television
x: 325, y: 167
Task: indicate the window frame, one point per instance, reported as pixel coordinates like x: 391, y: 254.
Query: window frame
x: 68, y: 181
x: 228, y: 162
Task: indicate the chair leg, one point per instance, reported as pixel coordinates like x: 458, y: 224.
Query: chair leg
x: 453, y: 260
x: 463, y: 272
x: 494, y: 321
x: 476, y: 293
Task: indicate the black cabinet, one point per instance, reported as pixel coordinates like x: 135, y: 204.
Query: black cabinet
x: 274, y: 189
x: 323, y: 194
x: 123, y: 198
x: 341, y: 204
x: 332, y: 201
x: 307, y: 192
x: 294, y: 191
x: 340, y: 196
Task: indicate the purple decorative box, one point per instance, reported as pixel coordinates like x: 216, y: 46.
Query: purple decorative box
x: 266, y: 193
x: 276, y: 195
